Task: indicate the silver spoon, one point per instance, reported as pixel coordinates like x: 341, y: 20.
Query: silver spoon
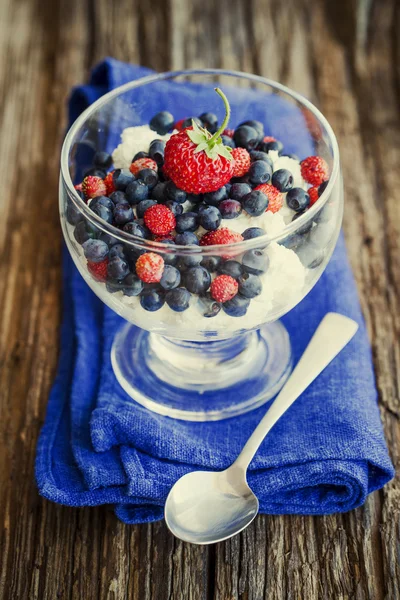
x: 204, y: 507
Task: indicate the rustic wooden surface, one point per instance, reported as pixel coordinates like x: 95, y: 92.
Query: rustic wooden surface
x: 345, y: 55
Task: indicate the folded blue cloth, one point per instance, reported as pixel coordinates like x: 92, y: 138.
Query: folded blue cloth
x: 98, y: 447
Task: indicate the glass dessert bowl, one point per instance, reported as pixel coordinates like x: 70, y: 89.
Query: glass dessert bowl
x: 201, y: 233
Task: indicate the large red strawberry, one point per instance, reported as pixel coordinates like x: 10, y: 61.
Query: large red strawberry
x: 197, y: 161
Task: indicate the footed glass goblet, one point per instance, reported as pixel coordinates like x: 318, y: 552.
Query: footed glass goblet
x: 203, y: 340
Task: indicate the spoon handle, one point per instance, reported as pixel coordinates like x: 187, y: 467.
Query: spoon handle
x: 332, y: 335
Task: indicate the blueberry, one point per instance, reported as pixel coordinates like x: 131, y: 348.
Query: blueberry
x: 81, y: 233
x: 96, y: 172
x: 103, y: 201
x: 214, y: 198
x: 140, y: 155
x: 95, y: 250
x: 282, y: 179
x: 208, y: 306
x: 198, y: 208
x: 102, y: 160
x: 255, y: 203
x: 131, y: 285
x: 103, y: 212
x: 174, y: 193
x: 177, y: 209
x: 195, y: 198
x: 162, y: 122
x: 304, y: 228
x: 158, y: 192
x: 118, y: 198
x: 297, y: 199
x: 187, y: 239
x: 117, y: 268
x: 136, y: 192
x: 152, y: 299
x: 230, y: 209
x: 110, y: 240
x: 210, y: 217
x: 116, y: 250
x: 260, y: 172
x: 252, y: 232
x: 191, y: 260
x: 143, y: 206
x: 237, y: 307
x: 73, y: 214
x: 210, y: 121
x: 134, y: 228
x: 232, y: 268
x: 228, y: 141
x: 156, y: 152
x: 178, y: 299
x: 188, y: 122
x: 258, y: 155
x: 171, y: 278
x: 246, y: 137
x: 169, y: 257
x: 238, y: 190
x: 250, y: 285
x: 257, y: 125
x: 322, y: 188
x: 149, y: 177
x: 228, y: 187
x: 268, y: 146
x: 187, y: 222
x: 122, y: 178
x: 255, y: 261
x: 197, y: 280
x: 211, y: 263
x: 122, y: 214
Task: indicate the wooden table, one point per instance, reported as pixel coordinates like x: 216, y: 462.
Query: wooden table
x: 345, y: 56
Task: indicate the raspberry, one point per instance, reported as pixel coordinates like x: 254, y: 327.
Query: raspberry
x: 224, y: 288
x: 241, y: 162
x: 228, y: 132
x: 314, y: 170
x: 159, y: 219
x: 109, y: 183
x: 150, y: 267
x: 143, y: 163
x: 268, y: 138
x: 313, y: 193
x: 274, y: 196
x: 98, y: 270
x: 93, y: 186
x: 223, y: 235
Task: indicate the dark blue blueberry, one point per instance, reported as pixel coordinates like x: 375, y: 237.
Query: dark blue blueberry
x: 195, y: 198
x: 255, y: 203
x: 95, y: 250
x: 123, y: 214
x: 152, y: 299
x: 175, y: 207
x: 82, y: 233
x: 174, y: 193
x: 230, y: 209
x: 210, y: 121
x: 191, y: 260
x: 131, y: 285
x: 211, y: 263
x: 297, y: 199
x: 208, y: 306
x: 95, y: 172
x: 134, y: 228
x: 257, y: 125
x: 197, y: 280
x: 304, y: 228
x: 293, y: 241
x: 113, y: 286
x: 253, y: 232
x: 73, y: 214
x: 122, y: 178
x: 118, y: 198
x: 117, y: 268
x: 116, y: 250
x: 140, y: 155
x: 169, y: 257
x: 239, y: 190
x: 237, y: 307
x: 228, y: 187
x: 110, y: 240
x: 214, y: 198
x: 186, y: 239
x: 243, y: 179
x: 136, y: 192
x: 260, y: 172
x: 187, y: 222
x: 198, y: 208
x: 246, y: 137
x: 188, y: 122
x: 143, y: 206
x: 103, y: 212
x: 178, y: 299
x: 250, y: 285
x: 149, y: 177
x: 268, y: 146
x: 156, y: 151
x: 158, y: 192
x: 228, y: 141
x: 210, y: 217
x: 103, y: 200
x: 255, y: 261
x: 258, y: 155
x: 232, y: 268
x: 162, y: 122
x: 171, y: 278
x: 322, y: 188
x: 282, y: 179
x: 102, y: 160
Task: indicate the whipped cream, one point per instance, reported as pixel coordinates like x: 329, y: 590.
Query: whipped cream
x: 134, y: 140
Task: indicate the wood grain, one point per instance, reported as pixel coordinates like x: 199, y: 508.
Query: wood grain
x: 344, y: 56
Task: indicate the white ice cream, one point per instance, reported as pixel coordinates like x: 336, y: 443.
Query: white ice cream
x: 134, y: 140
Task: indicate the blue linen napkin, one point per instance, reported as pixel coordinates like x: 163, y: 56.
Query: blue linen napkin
x: 98, y: 447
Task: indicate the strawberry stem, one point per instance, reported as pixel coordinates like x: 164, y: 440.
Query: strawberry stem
x: 226, y: 119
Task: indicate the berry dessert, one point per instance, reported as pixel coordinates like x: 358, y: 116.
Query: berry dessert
x: 199, y: 187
